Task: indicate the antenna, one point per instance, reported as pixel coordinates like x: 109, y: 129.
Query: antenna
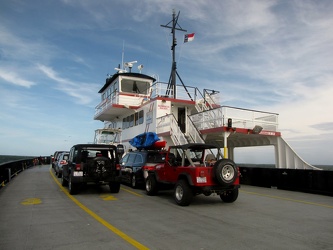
x: 129, y: 65
x: 140, y: 67
x: 173, y: 25
x: 122, y: 55
x: 120, y: 70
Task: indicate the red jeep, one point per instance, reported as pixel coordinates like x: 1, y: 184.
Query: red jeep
x: 194, y: 169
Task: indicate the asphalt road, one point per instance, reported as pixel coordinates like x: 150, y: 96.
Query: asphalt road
x: 37, y: 213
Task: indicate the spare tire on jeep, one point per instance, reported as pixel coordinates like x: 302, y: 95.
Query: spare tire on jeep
x: 225, y: 172
x: 99, y: 167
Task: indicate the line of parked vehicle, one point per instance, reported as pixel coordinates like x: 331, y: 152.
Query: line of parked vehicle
x: 189, y: 169
x: 131, y: 165
x: 58, y: 160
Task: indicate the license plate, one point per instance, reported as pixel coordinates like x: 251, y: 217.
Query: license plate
x: 78, y: 173
x: 201, y: 180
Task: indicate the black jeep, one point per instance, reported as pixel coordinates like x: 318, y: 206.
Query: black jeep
x: 92, y: 163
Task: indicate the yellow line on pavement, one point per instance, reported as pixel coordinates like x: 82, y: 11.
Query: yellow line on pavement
x: 288, y: 199
x: 131, y: 192
x: 99, y: 219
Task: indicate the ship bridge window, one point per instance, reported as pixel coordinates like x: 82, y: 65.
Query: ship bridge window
x: 138, y: 87
x: 133, y: 120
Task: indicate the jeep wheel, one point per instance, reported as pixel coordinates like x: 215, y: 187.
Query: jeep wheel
x: 225, y: 172
x: 72, y: 187
x: 114, y: 187
x: 182, y: 193
x: 133, y: 181
x: 151, y: 185
x: 64, y: 182
x: 230, y: 195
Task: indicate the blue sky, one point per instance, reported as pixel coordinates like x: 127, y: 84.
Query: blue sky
x: 273, y: 56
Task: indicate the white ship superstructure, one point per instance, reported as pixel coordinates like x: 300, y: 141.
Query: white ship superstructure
x: 134, y: 103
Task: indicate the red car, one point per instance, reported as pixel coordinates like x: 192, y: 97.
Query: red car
x: 194, y: 169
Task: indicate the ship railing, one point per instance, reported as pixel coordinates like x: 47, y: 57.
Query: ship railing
x: 204, y: 101
x: 168, y: 123
x: 210, y: 99
x: 183, y: 93
x: 192, y: 132
x: 122, y: 99
x: 241, y: 118
x: 106, y: 103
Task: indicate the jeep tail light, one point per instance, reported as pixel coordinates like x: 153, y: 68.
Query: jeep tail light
x: 149, y: 168
x: 238, y: 176
x: 77, y: 167
x: 118, y: 167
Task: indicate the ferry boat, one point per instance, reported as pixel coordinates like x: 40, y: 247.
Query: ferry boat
x: 133, y: 103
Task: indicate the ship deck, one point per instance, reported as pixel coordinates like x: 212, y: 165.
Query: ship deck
x: 36, y: 212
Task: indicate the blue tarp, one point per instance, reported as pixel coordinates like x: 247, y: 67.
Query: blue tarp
x: 144, y: 140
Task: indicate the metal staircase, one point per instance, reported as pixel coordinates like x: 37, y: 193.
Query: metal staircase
x: 170, y: 123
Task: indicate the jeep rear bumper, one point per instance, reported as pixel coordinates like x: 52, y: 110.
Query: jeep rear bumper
x: 215, y: 189
x: 86, y: 179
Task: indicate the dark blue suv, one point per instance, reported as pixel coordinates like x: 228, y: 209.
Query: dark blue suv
x: 133, y: 162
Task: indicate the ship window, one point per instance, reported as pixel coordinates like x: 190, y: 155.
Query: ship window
x: 136, y: 118
x: 116, y: 86
x: 109, y: 93
x: 131, y: 120
x: 128, y: 119
x: 124, y: 123
x: 141, y: 117
x: 137, y: 87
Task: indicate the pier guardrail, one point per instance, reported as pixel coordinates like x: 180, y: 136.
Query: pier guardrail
x: 10, y: 169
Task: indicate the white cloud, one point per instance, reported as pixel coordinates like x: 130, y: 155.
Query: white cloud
x: 13, y: 78
x: 84, y: 93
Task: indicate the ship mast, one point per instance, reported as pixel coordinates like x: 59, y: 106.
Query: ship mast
x: 175, y: 26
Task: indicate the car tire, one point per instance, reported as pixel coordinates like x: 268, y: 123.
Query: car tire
x: 225, y: 172
x: 64, y: 182
x: 151, y: 185
x: 114, y: 187
x: 183, y: 194
x: 229, y: 196
x: 72, y: 187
